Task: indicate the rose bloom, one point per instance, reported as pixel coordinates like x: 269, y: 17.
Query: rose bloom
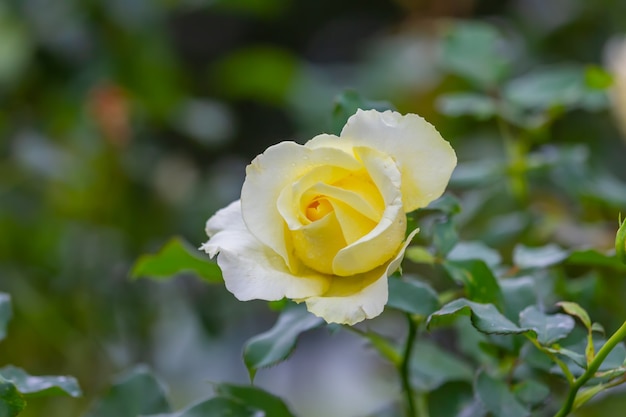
x: 325, y: 223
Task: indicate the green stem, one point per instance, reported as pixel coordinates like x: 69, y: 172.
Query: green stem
x: 593, y: 367
x: 404, y: 367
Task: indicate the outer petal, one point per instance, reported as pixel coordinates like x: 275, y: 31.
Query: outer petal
x: 424, y: 158
x: 350, y: 300
x: 268, y: 174
x: 251, y: 270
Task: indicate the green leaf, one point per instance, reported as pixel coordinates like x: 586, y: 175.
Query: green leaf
x: 479, y: 106
x: 256, y: 398
x: 11, y: 401
x: 276, y: 344
x: 5, y: 313
x: 539, y: 257
x: 135, y: 393
x: 594, y: 258
x: 419, y: 255
x: 547, y: 88
x: 548, y: 328
x: 484, y: 317
x: 35, y: 386
x: 413, y: 297
x: 451, y: 399
x: 447, y: 204
x: 431, y: 367
x: 586, y: 394
x: 497, y: 398
x: 476, y: 250
x: 480, y: 283
x: 531, y: 392
x: 471, y: 50
x: 264, y: 74
x: 518, y: 294
x: 445, y: 236
x: 575, y: 310
x: 597, y: 78
x: 347, y: 103
x: 176, y: 257
x: 218, y: 407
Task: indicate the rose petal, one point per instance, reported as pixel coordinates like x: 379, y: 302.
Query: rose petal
x: 382, y: 242
x: 350, y: 300
x: 266, y: 177
x: 251, y: 270
x: 424, y: 158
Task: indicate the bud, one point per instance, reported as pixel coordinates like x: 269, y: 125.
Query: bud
x: 620, y: 242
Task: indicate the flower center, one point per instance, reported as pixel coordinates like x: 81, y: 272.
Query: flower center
x: 318, y: 208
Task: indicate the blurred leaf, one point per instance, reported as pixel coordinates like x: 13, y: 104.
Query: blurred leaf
x: 445, y: 236
x: 548, y: 88
x: 11, y: 401
x: 476, y: 250
x: 471, y: 50
x: 484, y: 317
x: 451, y: 400
x: 36, y: 386
x: 174, y: 258
x: 447, y: 204
x: 136, y: 393
x: 518, y: 293
x: 431, y: 367
x: 526, y: 257
x: 5, y: 313
x: 479, y: 106
x: 256, y: 398
x: 479, y: 282
x: 476, y: 174
x: 594, y: 258
x: 346, y: 105
x: 275, y: 345
x: 265, y: 74
x: 549, y: 328
x: 217, y: 407
x: 279, y: 305
x: 531, y: 392
x: 413, y: 297
x: 419, y: 255
x: 586, y: 394
x: 575, y: 310
x: 597, y: 78
x: 16, y: 49
x: 497, y: 398
x: 260, y: 8
x: 383, y: 346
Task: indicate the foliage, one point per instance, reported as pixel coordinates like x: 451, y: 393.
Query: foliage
x: 127, y: 124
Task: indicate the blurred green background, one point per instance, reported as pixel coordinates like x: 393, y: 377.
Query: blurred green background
x: 125, y: 122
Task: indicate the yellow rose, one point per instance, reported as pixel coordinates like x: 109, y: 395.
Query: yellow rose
x: 325, y: 222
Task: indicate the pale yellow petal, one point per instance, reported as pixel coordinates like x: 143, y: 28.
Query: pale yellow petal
x: 268, y: 174
x: 350, y: 300
x: 424, y: 158
x: 382, y: 242
x: 252, y: 270
x: 317, y: 243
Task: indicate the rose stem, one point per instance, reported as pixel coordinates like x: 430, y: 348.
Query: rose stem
x: 617, y: 337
